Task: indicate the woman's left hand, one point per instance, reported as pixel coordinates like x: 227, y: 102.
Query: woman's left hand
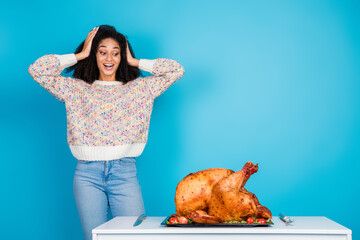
x: 131, y: 61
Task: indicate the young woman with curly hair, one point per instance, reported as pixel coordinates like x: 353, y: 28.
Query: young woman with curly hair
x: 108, y: 108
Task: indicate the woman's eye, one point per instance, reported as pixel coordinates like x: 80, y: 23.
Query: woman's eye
x: 115, y: 54
x: 102, y: 53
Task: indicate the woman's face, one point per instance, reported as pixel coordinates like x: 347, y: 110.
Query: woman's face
x: 108, y: 57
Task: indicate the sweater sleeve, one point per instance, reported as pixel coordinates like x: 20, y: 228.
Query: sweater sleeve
x: 46, y: 71
x: 165, y: 73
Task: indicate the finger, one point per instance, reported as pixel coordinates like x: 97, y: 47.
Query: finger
x: 127, y: 47
x: 93, y: 30
x: 89, y: 39
x: 91, y: 36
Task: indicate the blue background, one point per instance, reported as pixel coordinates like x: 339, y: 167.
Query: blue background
x: 272, y: 82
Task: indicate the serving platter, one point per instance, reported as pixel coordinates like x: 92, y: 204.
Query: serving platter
x: 165, y: 223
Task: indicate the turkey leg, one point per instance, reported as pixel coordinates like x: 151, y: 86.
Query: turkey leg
x: 231, y: 201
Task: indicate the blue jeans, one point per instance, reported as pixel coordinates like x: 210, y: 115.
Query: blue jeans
x: 102, y: 185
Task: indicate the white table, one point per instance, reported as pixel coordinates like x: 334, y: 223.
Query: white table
x: 319, y: 228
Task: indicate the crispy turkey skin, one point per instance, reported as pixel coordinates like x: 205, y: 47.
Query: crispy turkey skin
x: 217, y: 194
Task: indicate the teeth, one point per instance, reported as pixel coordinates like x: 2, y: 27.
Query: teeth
x: 108, y: 65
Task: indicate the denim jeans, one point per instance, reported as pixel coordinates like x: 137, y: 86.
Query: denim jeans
x: 102, y: 185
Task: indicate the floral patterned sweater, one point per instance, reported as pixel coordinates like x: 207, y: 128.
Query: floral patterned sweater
x: 106, y: 120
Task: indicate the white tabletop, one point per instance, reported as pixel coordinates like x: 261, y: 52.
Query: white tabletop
x: 151, y: 225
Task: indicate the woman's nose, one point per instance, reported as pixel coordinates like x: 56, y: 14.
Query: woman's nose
x: 108, y: 57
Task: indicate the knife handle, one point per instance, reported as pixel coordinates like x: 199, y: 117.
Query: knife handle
x: 285, y: 218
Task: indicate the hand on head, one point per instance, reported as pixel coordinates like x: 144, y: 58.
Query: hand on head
x: 132, y: 61
x: 87, y: 45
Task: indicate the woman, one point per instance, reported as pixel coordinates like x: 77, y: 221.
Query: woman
x: 108, y: 108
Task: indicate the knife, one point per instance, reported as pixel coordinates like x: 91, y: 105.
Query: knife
x: 139, y: 220
x: 285, y: 218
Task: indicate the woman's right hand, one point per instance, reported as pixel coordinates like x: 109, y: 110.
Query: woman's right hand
x: 85, y: 52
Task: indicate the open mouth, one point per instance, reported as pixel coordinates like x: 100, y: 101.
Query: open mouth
x: 108, y: 66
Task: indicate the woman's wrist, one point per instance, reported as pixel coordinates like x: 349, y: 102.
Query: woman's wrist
x: 80, y: 56
x: 134, y: 62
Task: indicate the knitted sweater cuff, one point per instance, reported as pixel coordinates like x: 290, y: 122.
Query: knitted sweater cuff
x: 147, y: 65
x: 67, y: 60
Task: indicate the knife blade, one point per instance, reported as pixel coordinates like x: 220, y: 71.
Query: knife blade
x: 139, y: 220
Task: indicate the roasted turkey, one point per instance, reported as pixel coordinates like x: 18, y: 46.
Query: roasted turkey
x: 217, y: 195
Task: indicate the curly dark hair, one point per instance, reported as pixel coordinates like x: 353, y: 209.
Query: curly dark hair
x: 87, y: 68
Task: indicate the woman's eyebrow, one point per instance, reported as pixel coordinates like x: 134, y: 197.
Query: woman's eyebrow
x: 105, y: 47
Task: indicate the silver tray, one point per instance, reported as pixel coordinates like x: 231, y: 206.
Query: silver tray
x: 216, y: 224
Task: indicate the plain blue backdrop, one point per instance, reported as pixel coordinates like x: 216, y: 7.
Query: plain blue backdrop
x: 272, y: 82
